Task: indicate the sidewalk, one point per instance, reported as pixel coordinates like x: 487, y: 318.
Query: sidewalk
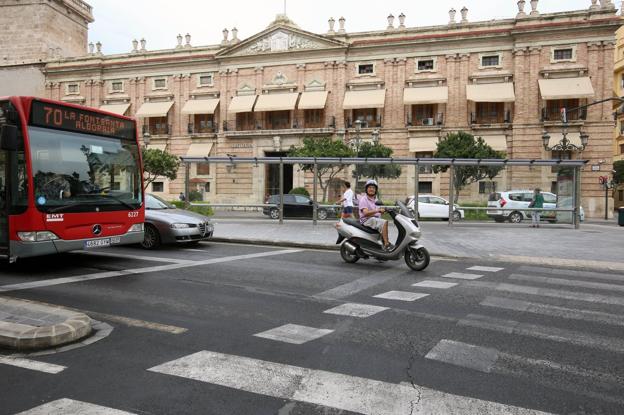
x: 593, y: 246
x: 25, y: 325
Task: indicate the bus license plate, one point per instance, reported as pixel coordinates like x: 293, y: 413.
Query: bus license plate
x: 101, y: 243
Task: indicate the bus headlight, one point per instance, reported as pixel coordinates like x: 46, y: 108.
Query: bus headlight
x: 179, y: 225
x: 137, y: 227
x: 40, y: 236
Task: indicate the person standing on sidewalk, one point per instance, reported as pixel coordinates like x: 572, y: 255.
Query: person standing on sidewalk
x: 347, y: 201
x: 536, y: 203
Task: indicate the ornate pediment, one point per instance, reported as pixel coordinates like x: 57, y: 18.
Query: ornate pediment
x: 279, y: 40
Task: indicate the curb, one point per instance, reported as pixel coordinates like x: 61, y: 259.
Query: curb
x: 26, y: 337
x: 544, y: 261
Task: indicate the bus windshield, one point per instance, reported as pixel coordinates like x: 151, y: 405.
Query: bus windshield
x: 74, y: 172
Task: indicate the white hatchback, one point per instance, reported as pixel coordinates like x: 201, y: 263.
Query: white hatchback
x: 520, y: 199
x: 431, y: 206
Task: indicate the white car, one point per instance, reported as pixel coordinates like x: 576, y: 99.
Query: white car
x: 431, y: 206
x: 520, y: 199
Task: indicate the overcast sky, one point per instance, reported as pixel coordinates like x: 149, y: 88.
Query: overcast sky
x: 117, y: 22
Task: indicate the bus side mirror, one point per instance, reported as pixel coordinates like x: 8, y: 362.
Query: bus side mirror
x: 8, y: 138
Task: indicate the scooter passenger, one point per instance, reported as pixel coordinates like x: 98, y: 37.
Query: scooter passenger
x: 370, y: 214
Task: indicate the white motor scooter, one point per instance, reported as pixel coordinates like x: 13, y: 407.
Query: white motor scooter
x: 361, y: 242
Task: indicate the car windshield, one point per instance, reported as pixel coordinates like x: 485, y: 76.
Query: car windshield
x: 75, y: 172
x: 156, y: 203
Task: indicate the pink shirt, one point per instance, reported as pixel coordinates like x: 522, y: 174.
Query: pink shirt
x: 366, y: 202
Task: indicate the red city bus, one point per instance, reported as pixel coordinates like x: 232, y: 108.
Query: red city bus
x: 70, y: 178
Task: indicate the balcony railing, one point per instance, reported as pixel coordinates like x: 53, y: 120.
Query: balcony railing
x: 157, y: 129
x: 376, y: 123
x: 203, y: 128
x: 491, y: 118
x: 555, y: 115
x: 260, y: 127
x: 435, y: 120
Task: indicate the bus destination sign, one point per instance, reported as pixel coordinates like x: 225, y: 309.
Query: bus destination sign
x: 45, y: 114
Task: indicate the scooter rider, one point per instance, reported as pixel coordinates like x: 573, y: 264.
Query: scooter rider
x: 370, y: 214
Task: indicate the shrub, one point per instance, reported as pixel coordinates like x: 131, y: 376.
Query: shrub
x: 299, y: 191
x: 475, y: 214
x: 195, y: 196
x: 202, y: 210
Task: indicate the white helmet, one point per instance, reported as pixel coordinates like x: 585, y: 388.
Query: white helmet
x: 371, y: 182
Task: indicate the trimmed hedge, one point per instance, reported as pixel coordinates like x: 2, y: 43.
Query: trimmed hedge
x: 202, y: 210
x: 299, y: 191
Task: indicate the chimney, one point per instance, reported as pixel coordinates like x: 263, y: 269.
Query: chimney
x: 534, y: 11
x: 401, y: 21
x: 452, y: 14
x: 341, y: 23
x: 332, y: 24
x: 464, y: 14
x: 521, y: 14
x: 390, y: 22
x: 179, y: 38
x: 187, y: 38
x: 226, y: 34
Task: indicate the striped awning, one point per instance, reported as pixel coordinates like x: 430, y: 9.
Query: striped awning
x: 119, y: 109
x: 154, y: 109
x: 200, y: 106
x: 375, y: 98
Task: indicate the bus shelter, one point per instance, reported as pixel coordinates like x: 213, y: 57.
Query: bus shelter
x: 571, y: 206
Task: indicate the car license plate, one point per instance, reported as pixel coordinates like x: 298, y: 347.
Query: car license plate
x: 101, y: 243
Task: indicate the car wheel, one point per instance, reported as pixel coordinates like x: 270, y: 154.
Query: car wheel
x: 515, y: 217
x: 321, y: 214
x: 274, y: 213
x: 456, y: 216
x: 151, y: 237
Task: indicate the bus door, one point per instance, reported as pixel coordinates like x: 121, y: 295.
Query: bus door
x: 4, y: 216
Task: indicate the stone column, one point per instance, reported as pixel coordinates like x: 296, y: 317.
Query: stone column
x: 401, y: 76
x: 607, y: 84
x: 175, y: 113
x: 224, y: 98
x: 521, y: 85
x: 464, y: 106
x: 595, y: 66
x: 451, y: 116
x: 388, y: 115
x: 98, y: 93
x: 341, y: 85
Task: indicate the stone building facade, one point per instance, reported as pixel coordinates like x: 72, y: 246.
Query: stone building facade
x: 504, y: 80
x: 618, y: 90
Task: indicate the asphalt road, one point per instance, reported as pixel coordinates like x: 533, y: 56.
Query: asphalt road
x: 233, y: 329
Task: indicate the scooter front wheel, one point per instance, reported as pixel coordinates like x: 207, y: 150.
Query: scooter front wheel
x: 417, y: 259
x: 347, y: 256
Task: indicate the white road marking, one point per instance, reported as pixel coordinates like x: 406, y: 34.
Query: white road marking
x: 32, y: 365
x: 137, y: 257
x: 401, y: 295
x: 554, y: 311
x: 111, y: 274
x: 573, y: 273
x: 544, y: 332
x: 462, y: 276
x: 589, y: 383
x: 353, y: 287
x: 71, y: 407
x: 294, y: 334
x: 464, y: 355
x: 567, y: 282
x: 131, y: 322
x: 485, y: 269
x: 435, y: 284
x: 347, y: 393
x: 568, y: 295
x: 356, y: 310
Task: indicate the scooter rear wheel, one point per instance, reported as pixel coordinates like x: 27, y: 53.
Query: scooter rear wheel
x: 417, y: 259
x: 347, y: 256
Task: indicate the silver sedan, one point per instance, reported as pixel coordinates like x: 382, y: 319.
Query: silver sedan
x: 165, y: 224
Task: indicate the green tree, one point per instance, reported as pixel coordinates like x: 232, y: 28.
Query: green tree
x: 375, y: 171
x: 158, y: 163
x: 618, y: 172
x: 323, y: 147
x: 462, y: 145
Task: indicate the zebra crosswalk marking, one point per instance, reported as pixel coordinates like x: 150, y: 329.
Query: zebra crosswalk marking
x: 567, y: 282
